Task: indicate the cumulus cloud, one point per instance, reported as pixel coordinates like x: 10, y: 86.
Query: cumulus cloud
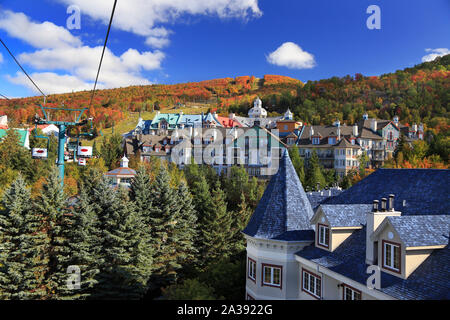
x: 434, y: 53
x: 39, y: 35
x: 82, y: 63
x: 144, y: 17
x: 78, y: 63
x: 290, y: 55
x: 51, y: 82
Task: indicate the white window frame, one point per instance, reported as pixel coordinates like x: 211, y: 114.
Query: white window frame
x: 272, y: 269
x: 306, y: 280
x: 392, y: 256
x: 322, y: 234
x: 251, y: 271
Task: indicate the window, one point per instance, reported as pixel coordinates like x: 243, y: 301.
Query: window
x: 391, y: 256
x: 271, y: 275
x: 311, y: 284
x: 251, y: 269
x: 315, y: 140
x: 323, y: 236
x: 350, y: 293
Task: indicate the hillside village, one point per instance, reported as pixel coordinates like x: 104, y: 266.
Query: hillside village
x: 290, y: 208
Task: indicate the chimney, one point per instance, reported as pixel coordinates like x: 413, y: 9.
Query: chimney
x: 355, y: 130
x: 415, y: 127
x: 311, y: 131
x: 231, y: 116
x: 391, y: 202
x: 338, y: 133
x: 373, y: 220
x: 373, y: 125
x: 383, y: 204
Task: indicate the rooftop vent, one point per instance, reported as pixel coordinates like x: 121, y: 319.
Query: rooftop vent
x: 391, y: 202
x: 375, y: 206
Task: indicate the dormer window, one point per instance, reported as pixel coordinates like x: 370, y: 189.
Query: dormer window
x: 332, y: 140
x: 391, y: 256
x: 315, y: 140
x: 323, y: 237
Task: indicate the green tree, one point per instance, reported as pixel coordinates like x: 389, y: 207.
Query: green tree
x: 314, y: 176
x: 190, y: 289
x: 186, y: 228
x: 165, y: 238
x: 51, y: 206
x: 111, y: 150
x: 298, y: 163
x: 22, y: 245
x: 216, y: 228
x: 125, y: 253
x: 84, y: 241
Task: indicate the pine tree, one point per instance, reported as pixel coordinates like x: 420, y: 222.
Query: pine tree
x: 164, y: 238
x: 84, y: 239
x: 240, y: 220
x: 314, y: 176
x: 186, y: 227
x: 51, y: 205
x: 125, y: 253
x: 216, y: 228
x: 21, y: 268
x: 140, y: 192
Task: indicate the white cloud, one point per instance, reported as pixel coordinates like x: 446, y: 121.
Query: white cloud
x: 78, y: 63
x: 290, y: 55
x: 51, y: 82
x: 82, y: 64
x: 156, y: 42
x: 144, y: 17
x: 1, y: 58
x: 39, y: 35
x: 434, y: 53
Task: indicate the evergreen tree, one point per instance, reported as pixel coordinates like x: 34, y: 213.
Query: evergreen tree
x: 314, y: 176
x: 216, y: 229
x: 298, y: 163
x: 186, y: 228
x: 164, y: 238
x: 140, y: 192
x: 22, y: 244
x: 239, y: 222
x: 84, y: 239
x: 125, y: 252
x: 51, y: 206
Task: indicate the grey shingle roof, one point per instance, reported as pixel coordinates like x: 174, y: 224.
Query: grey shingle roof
x: 346, y: 215
x: 284, y: 211
x: 431, y: 280
x: 417, y: 231
x: 425, y: 191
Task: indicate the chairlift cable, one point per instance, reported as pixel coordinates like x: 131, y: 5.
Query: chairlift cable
x: 11, y: 54
x: 103, y: 52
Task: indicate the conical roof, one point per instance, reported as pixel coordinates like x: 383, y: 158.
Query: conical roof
x: 284, y: 211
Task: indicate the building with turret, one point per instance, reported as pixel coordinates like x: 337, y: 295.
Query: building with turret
x: 385, y: 238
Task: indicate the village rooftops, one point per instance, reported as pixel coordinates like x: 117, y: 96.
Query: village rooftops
x: 417, y: 191
x: 431, y: 280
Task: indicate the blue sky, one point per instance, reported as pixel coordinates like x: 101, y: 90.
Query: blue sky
x: 173, y: 41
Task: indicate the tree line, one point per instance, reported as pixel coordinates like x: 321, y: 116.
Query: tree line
x: 162, y: 237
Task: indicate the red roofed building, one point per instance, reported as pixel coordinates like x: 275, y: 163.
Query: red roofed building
x: 229, y: 122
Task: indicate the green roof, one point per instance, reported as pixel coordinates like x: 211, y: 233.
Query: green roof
x: 22, y: 135
x: 171, y: 118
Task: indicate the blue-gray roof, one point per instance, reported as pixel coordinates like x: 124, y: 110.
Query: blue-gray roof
x: 431, y: 280
x: 417, y: 231
x: 284, y: 211
x: 317, y: 197
x: 426, y: 191
x: 346, y: 215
